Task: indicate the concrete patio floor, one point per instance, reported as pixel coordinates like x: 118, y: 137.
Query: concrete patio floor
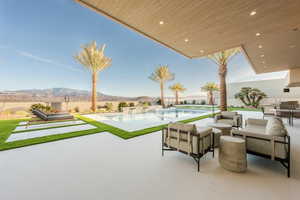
x: 103, y: 166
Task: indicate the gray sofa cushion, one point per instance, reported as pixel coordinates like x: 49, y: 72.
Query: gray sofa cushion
x: 226, y: 121
x: 228, y: 114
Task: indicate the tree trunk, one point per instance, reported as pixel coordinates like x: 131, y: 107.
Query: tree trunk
x: 210, y: 98
x: 162, y: 94
x: 94, y: 91
x: 176, y: 96
x: 223, y: 92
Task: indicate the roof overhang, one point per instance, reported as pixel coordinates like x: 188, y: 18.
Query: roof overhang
x: 197, y: 28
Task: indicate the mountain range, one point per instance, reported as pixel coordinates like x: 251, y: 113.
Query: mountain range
x: 59, y: 94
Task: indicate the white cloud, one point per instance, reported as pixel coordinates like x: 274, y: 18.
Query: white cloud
x: 45, y: 60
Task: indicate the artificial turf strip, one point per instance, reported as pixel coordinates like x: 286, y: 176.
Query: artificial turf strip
x: 44, y: 139
x: 38, y: 129
x: 47, y: 122
x: 126, y: 134
x: 244, y: 109
x: 6, y: 127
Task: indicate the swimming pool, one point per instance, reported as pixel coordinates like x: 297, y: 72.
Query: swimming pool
x: 137, y: 121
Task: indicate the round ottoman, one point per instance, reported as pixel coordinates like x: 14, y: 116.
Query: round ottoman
x: 232, y: 154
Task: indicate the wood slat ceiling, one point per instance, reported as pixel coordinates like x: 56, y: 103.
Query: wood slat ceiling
x: 214, y: 25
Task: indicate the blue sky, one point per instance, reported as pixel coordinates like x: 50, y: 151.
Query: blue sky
x: 39, y: 38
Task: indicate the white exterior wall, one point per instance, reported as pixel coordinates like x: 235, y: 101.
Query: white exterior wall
x: 273, y: 88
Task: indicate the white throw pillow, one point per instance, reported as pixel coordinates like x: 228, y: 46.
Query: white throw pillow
x: 275, y: 127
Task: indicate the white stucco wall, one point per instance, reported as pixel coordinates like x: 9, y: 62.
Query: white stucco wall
x: 273, y: 88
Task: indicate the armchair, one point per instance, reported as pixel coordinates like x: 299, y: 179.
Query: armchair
x: 232, y: 118
x: 188, y: 139
x: 268, y: 139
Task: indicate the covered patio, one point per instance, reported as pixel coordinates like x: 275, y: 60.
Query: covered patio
x: 103, y: 166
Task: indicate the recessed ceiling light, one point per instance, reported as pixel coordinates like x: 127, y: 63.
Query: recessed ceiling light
x: 161, y: 22
x: 263, y: 62
x: 262, y: 55
x: 257, y: 34
x: 201, y: 51
x: 253, y: 13
x: 186, y: 39
x: 265, y: 66
x: 260, y: 46
x: 292, y: 46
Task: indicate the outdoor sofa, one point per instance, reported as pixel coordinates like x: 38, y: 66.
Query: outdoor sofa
x: 49, y: 117
x: 232, y: 118
x: 268, y: 139
x: 188, y: 139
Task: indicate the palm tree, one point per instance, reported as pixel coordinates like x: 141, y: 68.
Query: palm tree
x: 221, y: 59
x: 162, y: 75
x: 177, y: 88
x: 210, y: 88
x: 93, y: 59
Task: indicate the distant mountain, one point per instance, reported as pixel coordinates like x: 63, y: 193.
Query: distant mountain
x: 58, y: 94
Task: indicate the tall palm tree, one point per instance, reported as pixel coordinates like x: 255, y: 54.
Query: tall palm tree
x: 177, y: 88
x: 210, y: 88
x: 162, y: 75
x: 221, y: 59
x: 93, y: 58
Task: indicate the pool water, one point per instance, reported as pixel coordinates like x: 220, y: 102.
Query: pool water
x: 137, y: 121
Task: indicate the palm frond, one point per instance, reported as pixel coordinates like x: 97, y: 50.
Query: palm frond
x: 93, y: 58
x: 210, y: 86
x: 177, y: 87
x: 162, y: 74
x: 223, y: 57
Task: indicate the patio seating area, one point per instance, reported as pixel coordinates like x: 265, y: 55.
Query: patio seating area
x: 138, y: 171
x: 150, y: 100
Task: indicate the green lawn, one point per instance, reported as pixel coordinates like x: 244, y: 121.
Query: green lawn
x: 197, y: 107
x: 38, y: 129
x: 7, y: 126
x: 126, y: 134
x: 200, y: 107
x: 243, y: 109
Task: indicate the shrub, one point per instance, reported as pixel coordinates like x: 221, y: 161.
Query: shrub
x: 158, y: 102
x: 76, y: 109
x: 121, y: 105
x: 131, y: 104
x: 184, y: 102
x: 202, y: 102
x: 36, y: 106
x: 109, y: 106
x: 40, y: 106
x: 145, y: 104
x: 194, y: 102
